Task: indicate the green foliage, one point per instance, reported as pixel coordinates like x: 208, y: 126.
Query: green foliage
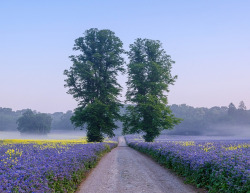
x: 99, y: 118
x: 92, y: 82
x: 30, y: 122
x: 149, y: 73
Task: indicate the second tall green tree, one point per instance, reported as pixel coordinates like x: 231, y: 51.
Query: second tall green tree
x: 149, y: 77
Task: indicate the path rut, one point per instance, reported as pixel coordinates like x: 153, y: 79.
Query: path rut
x: 125, y: 170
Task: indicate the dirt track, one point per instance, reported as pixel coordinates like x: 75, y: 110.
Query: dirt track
x: 126, y: 170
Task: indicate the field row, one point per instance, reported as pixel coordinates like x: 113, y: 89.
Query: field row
x: 219, y: 166
x: 43, y: 166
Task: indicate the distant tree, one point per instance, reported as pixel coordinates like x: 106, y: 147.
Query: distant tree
x: 194, y: 120
x: 242, y: 106
x: 56, y: 121
x: 149, y: 73
x: 61, y: 121
x: 92, y: 80
x: 8, y: 119
x: 65, y: 120
x: 30, y: 122
x: 242, y: 115
x: 231, y: 109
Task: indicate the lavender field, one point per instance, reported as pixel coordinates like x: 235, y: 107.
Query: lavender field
x: 47, y: 165
x: 219, y: 164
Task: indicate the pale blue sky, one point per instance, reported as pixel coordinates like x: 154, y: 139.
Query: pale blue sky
x: 209, y: 40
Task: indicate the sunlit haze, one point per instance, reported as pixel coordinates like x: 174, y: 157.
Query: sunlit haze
x: 208, y: 40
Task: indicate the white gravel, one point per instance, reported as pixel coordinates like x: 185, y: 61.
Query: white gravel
x: 126, y: 170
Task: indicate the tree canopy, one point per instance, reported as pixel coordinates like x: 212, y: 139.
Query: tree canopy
x: 92, y: 80
x: 30, y: 122
x: 149, y: 77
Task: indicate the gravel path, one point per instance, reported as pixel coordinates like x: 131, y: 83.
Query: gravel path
x: 126, y: 170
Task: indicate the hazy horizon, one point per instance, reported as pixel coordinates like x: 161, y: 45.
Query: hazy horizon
x: 76, y: 134
x: 208, y: 40
x: 236, y: 105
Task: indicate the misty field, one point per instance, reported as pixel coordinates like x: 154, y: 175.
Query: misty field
x: 218, y: 165
x: 54, y: 134
x: 47, y: 165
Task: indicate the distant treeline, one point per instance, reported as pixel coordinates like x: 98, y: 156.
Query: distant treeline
x: 8, y: 119
x: 224, y: 120
x: 212, y: 121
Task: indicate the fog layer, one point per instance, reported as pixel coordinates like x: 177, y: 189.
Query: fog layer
x: 52, y: 135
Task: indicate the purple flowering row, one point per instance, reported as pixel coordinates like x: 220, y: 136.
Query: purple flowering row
x: 219, y: 166
x: 37, y: 168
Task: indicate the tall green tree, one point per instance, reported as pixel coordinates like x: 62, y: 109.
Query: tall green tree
x: 149, y: 77
x: 92, y: 80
